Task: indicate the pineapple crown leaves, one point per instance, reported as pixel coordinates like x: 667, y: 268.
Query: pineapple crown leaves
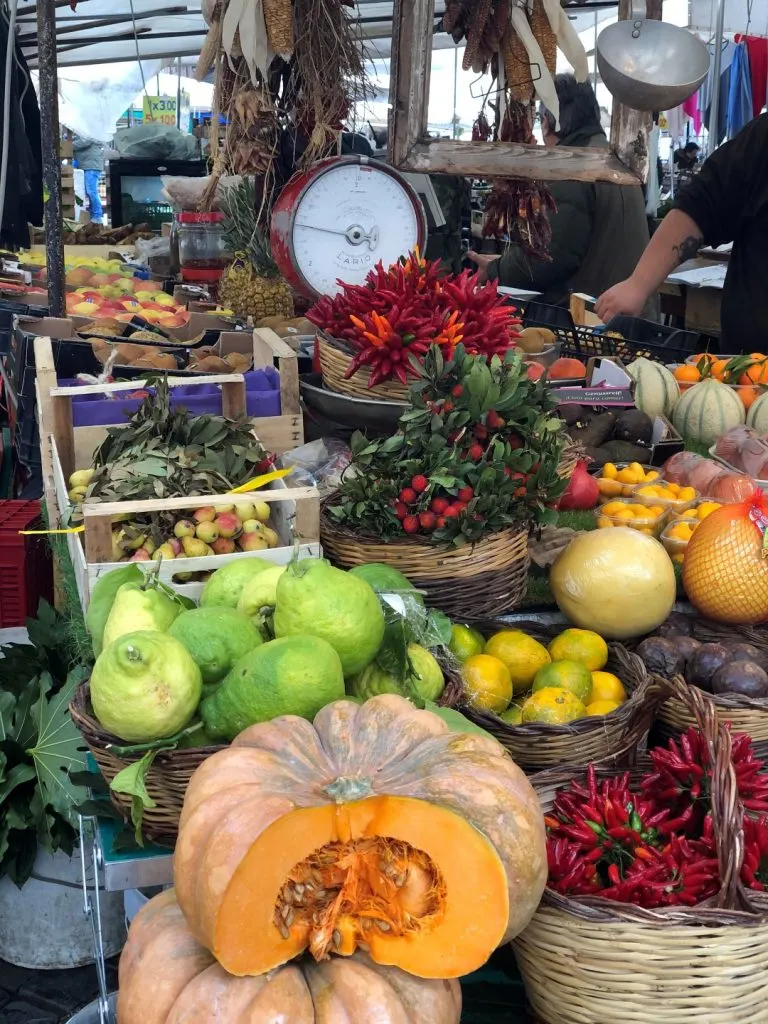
x: 243, y: 236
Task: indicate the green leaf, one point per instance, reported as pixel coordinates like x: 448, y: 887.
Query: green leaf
x: 7, y: 705
x: 59, y: 747
x: 132, y: 781
x: 393, y: 653
x: 15, y: 777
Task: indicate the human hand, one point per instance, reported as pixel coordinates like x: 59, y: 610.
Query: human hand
x: 625, y: 297
x: 482, y: 260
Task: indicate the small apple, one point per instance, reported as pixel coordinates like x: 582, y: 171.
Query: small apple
x: 149, y: 545
x: 142, y: 555
x: 175, y: 545
x: 205, y: 515
x: 184, y: 528
x: 208, y: 532
x: 252, y: 542
x: 252, y: 526
x: 228, y: 524
x: 223, y: 546
x: 165, y: 551
x: 222, y: 509
x: 261, y: 510
x: 244, y: 512
x: 271, y: 537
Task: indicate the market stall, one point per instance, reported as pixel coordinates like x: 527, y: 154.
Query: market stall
x: 473, y: 681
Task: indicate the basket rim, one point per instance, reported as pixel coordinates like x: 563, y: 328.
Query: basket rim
x: 645, y: 695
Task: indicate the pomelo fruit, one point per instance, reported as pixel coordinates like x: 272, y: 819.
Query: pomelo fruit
x: 314, y: 599
x: 570, y: 675
x: 216, y: 638
x: 225, y: 586
x: 294, y: 675
x: 145, y: 686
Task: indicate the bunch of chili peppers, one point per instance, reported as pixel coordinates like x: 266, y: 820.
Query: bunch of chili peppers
x: 655, y: 847
x: 397, y: 314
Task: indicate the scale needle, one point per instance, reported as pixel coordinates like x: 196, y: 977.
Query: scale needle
x: 354, y: 234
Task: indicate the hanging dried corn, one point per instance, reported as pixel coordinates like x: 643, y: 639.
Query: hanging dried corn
x: 517, y: 66
x: 544, y: 35
x: 278, y: 15
x: 244, y: 34
x: 567, y: 39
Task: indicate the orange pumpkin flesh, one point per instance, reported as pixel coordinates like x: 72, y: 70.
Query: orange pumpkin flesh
x: 424, y: 847
x: 167, y: 978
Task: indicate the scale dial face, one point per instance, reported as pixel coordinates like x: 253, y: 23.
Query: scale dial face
x: 350, y: 216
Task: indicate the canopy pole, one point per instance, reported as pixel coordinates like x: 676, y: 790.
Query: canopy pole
x: 49, y: 125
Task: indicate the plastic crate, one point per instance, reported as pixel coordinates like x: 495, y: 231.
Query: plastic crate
x: 154, y: 214
x: 638, y: 337
x: 26, y: 571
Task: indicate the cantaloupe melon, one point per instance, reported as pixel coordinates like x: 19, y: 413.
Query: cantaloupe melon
x: 656, y: 390
x: 757, y: 416
x: 707, y: 411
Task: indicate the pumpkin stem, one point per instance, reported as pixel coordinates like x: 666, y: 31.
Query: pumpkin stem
x: 348, y: 788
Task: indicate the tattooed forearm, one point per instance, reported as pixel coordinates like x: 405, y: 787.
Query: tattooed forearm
x: 688, y: 248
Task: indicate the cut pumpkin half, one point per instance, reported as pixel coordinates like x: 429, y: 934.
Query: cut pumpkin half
x: 375, y: 829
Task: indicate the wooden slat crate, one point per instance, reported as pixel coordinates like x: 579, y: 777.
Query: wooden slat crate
x: 295, y: 517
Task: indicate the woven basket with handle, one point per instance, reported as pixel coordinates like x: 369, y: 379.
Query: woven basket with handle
x: 588, y: 960
x: 614, y: 739
x: 335, y: 358
x: 171, y: 770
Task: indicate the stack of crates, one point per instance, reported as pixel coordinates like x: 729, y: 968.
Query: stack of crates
x: 26, y: 568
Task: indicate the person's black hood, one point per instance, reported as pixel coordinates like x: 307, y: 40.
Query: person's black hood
x: 588, y: 135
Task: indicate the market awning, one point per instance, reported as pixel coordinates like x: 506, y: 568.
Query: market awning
x: 108, y: 31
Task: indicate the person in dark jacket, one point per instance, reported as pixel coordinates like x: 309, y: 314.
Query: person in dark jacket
x: 89, y: 155
x: 599, y: 230
x: 444, y: 243
x: 727, y: 201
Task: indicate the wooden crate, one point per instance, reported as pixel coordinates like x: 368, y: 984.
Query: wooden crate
x: 296, y: 515
x: 278, y: 434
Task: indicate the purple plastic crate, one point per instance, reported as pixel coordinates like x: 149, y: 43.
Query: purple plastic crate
x: 262, y: 399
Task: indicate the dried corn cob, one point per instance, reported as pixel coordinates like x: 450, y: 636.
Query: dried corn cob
x: 278, y: 15
x: 543, y: 34
x: 517, y: 67
x: 480, y: 13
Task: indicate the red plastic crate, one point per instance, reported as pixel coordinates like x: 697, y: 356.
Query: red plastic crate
x: 26, y: 568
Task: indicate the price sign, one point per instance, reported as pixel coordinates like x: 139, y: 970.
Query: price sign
x: 160, y: 110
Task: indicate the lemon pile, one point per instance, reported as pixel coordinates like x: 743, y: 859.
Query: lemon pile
x: 615, y: 481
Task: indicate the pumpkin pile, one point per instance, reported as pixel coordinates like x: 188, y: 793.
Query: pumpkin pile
x: 374, y: 833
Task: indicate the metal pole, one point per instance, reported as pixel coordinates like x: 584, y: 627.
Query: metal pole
x: 49, y: 127
x: 714, y: 110
x: 594, y: 56
x: 178, y: 93
x: 454, y: 134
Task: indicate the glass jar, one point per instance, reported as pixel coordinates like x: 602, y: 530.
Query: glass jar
x: 202, y: 251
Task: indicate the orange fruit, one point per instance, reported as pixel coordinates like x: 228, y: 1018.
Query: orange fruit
x: 580, y: 645
x: 686, y: 376
x: 760, y: 356
x: 598, y: 708
x: 521, y: 654
x: 488, y: 682
x: 718, y: 368
x: 707, y: 357
x: 553, y: 705
x: 465, y: 642
x: 758, y: 373
x: 748, y: 395
x: 607, y: 686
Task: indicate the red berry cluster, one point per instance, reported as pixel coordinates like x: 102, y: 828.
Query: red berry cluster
x: 421, y: 509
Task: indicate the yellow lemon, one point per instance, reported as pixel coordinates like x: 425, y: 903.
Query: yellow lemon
x: 607, y: 686
x: 580, y: 645
x: 522, y: 655
x: 602, y: 707
x: 487, y: 682
x: 553, y: 705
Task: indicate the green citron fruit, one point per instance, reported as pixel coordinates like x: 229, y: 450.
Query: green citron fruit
x: 145, y: 686
x: 314, y: 599
x: 425, y: 677
x: 225, y: 586
x: 138, y: 607
x: 296, y: 675
x: 428, y: 677
x: 216, y: 638
x: 103, y: 597
x: 385, y: 579
x: 260, y: 592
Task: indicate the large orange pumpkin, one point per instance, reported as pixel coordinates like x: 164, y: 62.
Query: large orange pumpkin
x: 167, y: 978
x: 373, y: 828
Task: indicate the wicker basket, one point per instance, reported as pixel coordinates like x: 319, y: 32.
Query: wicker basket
x: 746, y: 714
x: 589, y: 960
x: 486, y: 578
x: 335, y: 358
x: 614, y: 740
x: 171, y: 770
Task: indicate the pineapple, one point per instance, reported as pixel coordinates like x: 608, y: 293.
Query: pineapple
x: 251, y: 285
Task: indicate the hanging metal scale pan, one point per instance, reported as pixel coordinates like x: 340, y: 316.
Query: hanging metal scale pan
x: 650, y: 65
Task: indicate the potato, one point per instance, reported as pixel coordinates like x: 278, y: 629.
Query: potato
x: 213, y: 364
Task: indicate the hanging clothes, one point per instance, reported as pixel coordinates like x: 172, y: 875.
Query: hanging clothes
x: 24, y: 185
x: 757, y: 48
x: 705, y: 93
x: 739, y: 92
x: 692, y: 108
x: 676, y: 121
x: 653, y: 188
